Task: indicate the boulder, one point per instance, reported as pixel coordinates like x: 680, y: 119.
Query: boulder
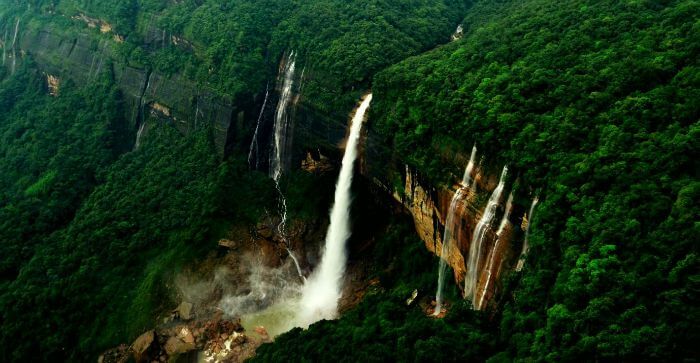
x: 142, y: 344
x: 186, y: 336
x: 227, y: 243
x: 175, y: 345
x: 185, y: 310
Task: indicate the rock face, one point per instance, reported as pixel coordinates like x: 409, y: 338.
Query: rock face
x: 429, y: 207
x: 174, y: 99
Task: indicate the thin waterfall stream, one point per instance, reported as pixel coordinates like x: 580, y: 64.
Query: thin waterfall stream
x: 476, y: 245
x: 449, y: 231
x: 492, y: 256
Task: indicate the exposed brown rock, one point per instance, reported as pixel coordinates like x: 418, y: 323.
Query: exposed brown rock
x: 175, y: 345
x: 142, y: 344
x: 316, y: 163
x: 429, y: 209
x: 53, y: 84
x: 185, y: 310
x: 158, y: 109
x: 227, y: 243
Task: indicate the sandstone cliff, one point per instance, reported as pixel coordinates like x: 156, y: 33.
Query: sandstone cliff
x: 429, y: 207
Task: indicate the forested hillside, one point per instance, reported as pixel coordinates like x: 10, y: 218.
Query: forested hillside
x: 92, y: 230
x: 594, y: 106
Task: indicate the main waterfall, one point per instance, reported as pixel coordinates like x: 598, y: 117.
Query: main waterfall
x: 475, y: 247
x: 322, y: 290
x: 449, y: 231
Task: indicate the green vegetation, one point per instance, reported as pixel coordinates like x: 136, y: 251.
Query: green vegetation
x: 52, y: 154
x: 594, y: 105
x: 89, y: 239
x: 382, y: 328
x: 233, y: 47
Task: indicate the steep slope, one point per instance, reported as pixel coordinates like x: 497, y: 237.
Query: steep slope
x: 593, y: 107
x: 141, y: 200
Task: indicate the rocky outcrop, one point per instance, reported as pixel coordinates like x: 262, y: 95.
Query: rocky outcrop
x: 316, y: 163
x: 429, y: 206
x: 53, y: 83
x: 142, y: 344
x: 215, y: 338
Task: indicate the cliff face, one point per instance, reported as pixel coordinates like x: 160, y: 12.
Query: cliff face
x: 173, y: 99
x: 429, y: 207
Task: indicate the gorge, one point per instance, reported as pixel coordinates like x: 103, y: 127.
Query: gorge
x: 206, y: 181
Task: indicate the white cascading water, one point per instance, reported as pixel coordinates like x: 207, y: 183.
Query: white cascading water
x: 4, y: 47
x: 506, y: 215
x: 296, y: 264
x: 475, y: 246
x: 14, y: 51
x: 322, y: 290
x: 470, y: 168
x: 526, y: 246
x: 492, y: 256
x: 449, y: 229
x: 142, y: 126
x: 279, y: 144
x: 139, y: 133
x: 459, y: 32
x: 254, y: 142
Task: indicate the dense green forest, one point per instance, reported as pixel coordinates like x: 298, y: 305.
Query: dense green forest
x: 87, y: 239
x: 594, y: 106
x: 233, y: 47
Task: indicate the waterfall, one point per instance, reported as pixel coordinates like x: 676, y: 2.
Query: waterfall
x: 278, y: 152
x: 475, y: 247
x: 139, y: 134
x: 470, y: 168
x: 445, y: 250
x: 321, y: 292
x: 492, y: 256
x: 283, y: 213
x: 4, y: 47
x: 526, y: 246
x: 449, y: 229
x: 279, y: 145
x: 296, y: 264
x: 141, y: 115
x: 14, y: 51
x: 254, y: 142
x: 459, y: 32
x: 506, y: 215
